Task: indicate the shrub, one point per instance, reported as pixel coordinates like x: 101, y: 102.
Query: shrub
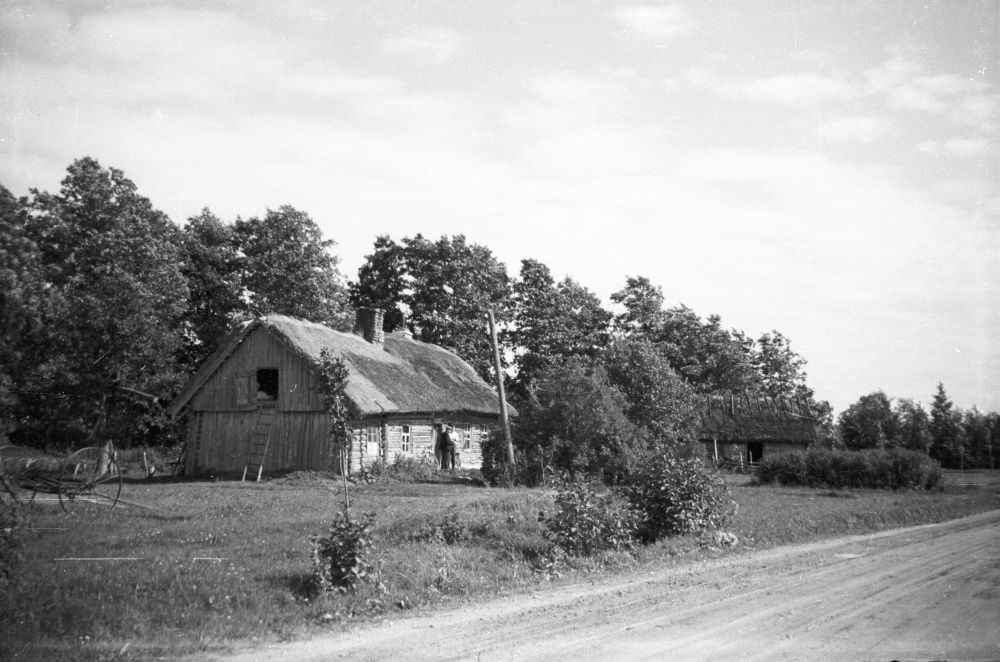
x: 893, y: 469
x: 586, y: 522
x: 410, y: 468
x: 446, y: 531
x: 674, y: 495
x: 340, y: 561
x: 495, y: 469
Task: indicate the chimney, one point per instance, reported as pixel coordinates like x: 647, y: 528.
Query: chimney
x: 368, y: 325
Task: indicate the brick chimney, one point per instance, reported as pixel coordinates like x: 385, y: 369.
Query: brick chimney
x: 368, y: 325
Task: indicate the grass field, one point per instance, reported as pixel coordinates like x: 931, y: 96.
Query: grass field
x: 207, y: 565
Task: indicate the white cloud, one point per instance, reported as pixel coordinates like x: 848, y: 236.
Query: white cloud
x: 431, y: 44
x: 860, y: 129
x: 980, y: 111
x: 656, y: 22
x: 800, y: 88
x: 962, y: 147
x: 967, y: 146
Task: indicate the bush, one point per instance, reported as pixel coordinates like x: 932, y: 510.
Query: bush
x: 894, y: 469
x: 446, y: 531
x: 495, y: 469
x: 340, y: 560
x: 586, y: 522
x: 674, y: 495
x: 414, y: 469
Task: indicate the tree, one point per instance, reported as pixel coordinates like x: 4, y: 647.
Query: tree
x: 288, y: 268
x: 442, y: 289
x: 643, y: 302
x: 576, y: 422
x: 978, y: 437
x: 657, y: 398
x: 707, y: 355
x: 914, y: 426
x: 382, y: 282
x: 869, y: 423
x: 22, y: 303
x: 114, y: 297
x: 212, y: 270
x: 947, y: 435
x: 552, y: 322
x: 778, y: 368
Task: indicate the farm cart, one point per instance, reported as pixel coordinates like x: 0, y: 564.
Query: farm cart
x: 89, y: 475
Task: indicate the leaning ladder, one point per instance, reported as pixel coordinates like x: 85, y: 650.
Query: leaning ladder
x: 259, y: 443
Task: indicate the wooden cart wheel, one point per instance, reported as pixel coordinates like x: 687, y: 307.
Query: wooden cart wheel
x: 90, y: 475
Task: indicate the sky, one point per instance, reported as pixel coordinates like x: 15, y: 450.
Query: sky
x: 825, y: 169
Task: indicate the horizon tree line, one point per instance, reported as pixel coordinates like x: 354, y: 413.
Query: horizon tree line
x: 101, y: 294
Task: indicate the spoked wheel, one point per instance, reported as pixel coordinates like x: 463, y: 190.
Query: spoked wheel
x: 90, y: 475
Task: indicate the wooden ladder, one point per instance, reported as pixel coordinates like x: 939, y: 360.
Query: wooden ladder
x: 259, y: 443
x: 194, y: 448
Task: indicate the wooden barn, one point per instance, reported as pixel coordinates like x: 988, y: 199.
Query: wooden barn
x: 744, y: 428
x: 255, y: 405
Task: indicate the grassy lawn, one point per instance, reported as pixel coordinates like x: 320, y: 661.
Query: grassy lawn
x: 210, y: 564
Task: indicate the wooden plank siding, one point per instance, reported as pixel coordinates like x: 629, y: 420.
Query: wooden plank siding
x: 298, y: 389
x: 298, y: 441
x: 381, y: 439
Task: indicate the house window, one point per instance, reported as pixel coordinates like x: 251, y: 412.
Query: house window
x: 404, y: 439
x: 267, y: 384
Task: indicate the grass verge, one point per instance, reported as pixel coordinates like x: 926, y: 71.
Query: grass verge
x: 208, y: 565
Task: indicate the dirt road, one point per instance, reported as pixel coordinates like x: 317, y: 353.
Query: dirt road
x: 930, y: 592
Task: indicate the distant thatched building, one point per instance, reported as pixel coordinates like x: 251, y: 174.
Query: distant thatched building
x: 260, y: 389
x: 746, y: 427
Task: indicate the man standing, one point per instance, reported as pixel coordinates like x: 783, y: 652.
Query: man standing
x: 447, y: 448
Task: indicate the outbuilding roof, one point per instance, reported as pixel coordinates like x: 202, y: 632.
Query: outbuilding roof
x: 402, y: 376
x: 747, y: 417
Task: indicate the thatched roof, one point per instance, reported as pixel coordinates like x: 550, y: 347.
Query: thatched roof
x: 403, y: 376
x: 747, y: 417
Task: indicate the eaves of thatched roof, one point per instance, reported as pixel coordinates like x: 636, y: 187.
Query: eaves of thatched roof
x: 403, y: 376
x: 747, y: 417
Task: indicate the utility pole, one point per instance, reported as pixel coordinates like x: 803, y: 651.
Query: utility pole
x: 503, y: 400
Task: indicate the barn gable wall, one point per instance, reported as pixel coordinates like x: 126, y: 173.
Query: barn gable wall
x: 233, y: 387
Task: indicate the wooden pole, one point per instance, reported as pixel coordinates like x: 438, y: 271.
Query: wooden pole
x: 500, y: 392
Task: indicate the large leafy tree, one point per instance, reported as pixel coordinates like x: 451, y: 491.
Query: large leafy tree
x: 288, y: 267
x: 114, y: 298
x: 552, y: 322
x: 643, y: 304
x: 575, y: 421
x: 710, y: 357
x: 22, y: 305
x: 870, y: 423
x: 212, y: 267
x: 442, y: 288
x: 914, y: 425
x: 778, y: 367
x: 657, y: 398
x: 947, y: 434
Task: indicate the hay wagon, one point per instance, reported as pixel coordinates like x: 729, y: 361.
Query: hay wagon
x: 89, y: 475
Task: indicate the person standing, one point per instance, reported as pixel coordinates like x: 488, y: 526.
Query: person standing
x: 447, y: 448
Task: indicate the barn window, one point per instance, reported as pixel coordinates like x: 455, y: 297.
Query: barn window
x: 267, y: 384
x: 404, y: 439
